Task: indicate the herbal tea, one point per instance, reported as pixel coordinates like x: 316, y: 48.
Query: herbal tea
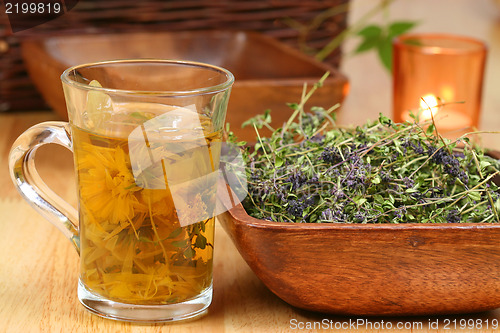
x: 136, y: 246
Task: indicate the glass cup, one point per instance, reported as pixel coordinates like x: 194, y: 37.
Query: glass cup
x: 439, y: 77
x: 146, y: 140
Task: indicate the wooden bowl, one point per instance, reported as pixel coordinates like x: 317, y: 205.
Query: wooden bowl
x: 353, y: 269
x: 268, y: 73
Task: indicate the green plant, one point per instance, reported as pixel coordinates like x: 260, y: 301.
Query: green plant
x: 376, y: 37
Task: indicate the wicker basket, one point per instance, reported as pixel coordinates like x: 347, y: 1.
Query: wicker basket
x: 98, y: 16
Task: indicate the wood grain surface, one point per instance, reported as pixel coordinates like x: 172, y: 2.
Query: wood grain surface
x: 39, y: 268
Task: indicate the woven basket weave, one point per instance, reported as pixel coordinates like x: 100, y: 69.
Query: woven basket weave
x: 98, y: 16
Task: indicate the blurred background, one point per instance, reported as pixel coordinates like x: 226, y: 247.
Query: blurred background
x: 362, y: 82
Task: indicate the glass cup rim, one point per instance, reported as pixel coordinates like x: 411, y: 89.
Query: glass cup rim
x: 151, y: 93
x: 474, y: 45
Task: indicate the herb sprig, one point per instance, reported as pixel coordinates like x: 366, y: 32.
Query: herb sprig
x: 312, y: 170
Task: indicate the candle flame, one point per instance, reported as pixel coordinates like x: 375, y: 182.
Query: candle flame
x: 429, y: 105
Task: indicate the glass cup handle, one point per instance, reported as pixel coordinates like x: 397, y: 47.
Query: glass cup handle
x: 31, y: 186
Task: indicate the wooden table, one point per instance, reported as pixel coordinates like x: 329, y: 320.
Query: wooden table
x: 39, y: 267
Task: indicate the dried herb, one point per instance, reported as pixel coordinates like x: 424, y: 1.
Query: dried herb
x: 311, y: 170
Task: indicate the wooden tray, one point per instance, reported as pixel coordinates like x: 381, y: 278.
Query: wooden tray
x: 268, y: 73
x: 368, y: 269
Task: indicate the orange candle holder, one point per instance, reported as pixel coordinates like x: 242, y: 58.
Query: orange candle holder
x: 439, y: 76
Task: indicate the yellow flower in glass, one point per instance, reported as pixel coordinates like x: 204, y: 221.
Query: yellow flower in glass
x: 107, y: 185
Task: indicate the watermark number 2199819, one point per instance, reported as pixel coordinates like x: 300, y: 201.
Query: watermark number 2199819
x: 33, y: 7
x: 26, y: 14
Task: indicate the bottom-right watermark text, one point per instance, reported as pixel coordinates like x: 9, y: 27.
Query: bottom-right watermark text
x: 368, y: 324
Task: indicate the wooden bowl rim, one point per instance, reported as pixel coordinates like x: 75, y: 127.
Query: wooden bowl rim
x: 334, y: 77
x: 239, y: 214
x: 207, y: 33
